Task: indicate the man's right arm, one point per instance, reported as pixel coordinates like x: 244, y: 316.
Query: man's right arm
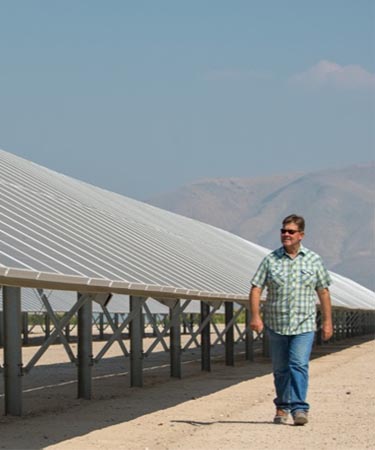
x: 256, y: 322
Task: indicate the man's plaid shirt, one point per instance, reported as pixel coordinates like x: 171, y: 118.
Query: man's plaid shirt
x: 291, y: 289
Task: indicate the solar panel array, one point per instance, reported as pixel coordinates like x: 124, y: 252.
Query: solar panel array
x: 59, y: 232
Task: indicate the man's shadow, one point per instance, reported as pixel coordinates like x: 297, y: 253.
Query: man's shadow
x: 197, y: 423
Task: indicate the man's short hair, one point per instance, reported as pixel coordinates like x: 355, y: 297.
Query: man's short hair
x: 298, y: 220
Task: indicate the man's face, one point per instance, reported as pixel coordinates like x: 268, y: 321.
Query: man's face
x: 290, y: 235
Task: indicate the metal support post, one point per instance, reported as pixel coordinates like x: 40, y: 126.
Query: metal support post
x: 143, y: 321
x: 1, y: 329
x: 364, y: 318
x: 354, y: 324
x: 229, y: 335
x: 335, y: 325
x: 371, y: 322
x: 336, y: 316
x: 184, y: 327
x: 136, y: 342
x: 155, y: 324
x: 175, y: 340
x: 205, y: 338
x: 342, y: 324
x: 67, y: 332
x: 249, y: 338
x: 101, y: 326
x: 25, y: 328
x: 338, y: 324
x: 47, y: 323
x: 347, y: 324
x: 12, y: 350
x: 85, y: 357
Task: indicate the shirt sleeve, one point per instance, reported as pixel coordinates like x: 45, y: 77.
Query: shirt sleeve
x: 323, y: 279
x: 260, y: 277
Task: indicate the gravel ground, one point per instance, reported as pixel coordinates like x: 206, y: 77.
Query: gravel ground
x: 229, y: 408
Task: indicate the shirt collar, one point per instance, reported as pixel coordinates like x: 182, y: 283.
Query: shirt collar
x: 281, y: 251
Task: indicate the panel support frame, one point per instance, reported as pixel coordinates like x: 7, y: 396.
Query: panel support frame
x: 205, y: 337
x: 136, y: 341
x: 13, y: 370
x: 175, y: 340
x: 85, y: 356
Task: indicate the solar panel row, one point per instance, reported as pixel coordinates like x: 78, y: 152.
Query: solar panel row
x: 59, y: 232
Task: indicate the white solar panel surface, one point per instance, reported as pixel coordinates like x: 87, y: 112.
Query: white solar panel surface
x: 62, y: 233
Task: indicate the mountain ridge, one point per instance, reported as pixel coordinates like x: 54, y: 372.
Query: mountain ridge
x: 338, y: 205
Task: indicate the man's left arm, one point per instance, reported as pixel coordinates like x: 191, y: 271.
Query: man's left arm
x: 326, y: 309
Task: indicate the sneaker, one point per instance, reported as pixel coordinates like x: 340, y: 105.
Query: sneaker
x: 300, y: 417
x: 281, y: 416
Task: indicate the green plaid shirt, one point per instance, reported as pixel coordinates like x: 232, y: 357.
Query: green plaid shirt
x: 291, y: 289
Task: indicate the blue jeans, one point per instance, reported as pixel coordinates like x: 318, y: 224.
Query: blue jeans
x: 290, y: 356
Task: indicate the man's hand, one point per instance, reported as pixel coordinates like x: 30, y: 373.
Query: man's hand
x: 326, y: 308
x: 327, y: 331
x: 256, y: 324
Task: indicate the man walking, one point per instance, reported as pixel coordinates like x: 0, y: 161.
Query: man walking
x: 293, y: 275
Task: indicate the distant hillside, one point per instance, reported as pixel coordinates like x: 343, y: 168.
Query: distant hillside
x: 338, y: 206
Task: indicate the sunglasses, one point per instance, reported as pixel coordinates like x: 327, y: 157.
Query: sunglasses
x: 285, y: 231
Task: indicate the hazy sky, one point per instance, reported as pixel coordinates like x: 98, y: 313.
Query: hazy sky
x: 141, y: 97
